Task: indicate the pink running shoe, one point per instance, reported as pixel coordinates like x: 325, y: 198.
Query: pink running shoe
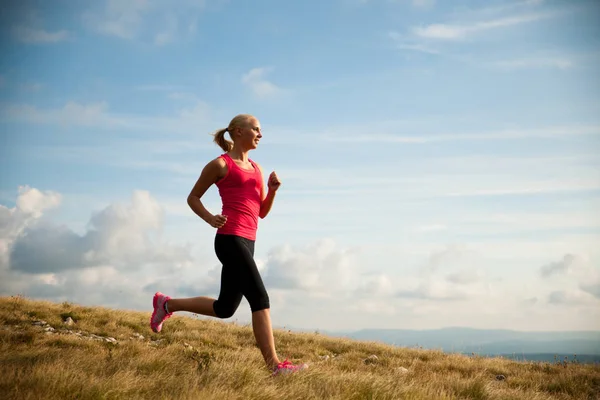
x: 287, y: 367
x: 159, y: 315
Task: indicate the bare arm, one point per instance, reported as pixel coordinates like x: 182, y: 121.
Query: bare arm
x: 273, y: 184
x: 211, y: 173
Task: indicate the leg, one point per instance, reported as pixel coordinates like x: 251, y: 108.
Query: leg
x: 254, y: 290
x: 223, y: 307
x: 198, y: 305
x: 263, y: 332
x: 229, y: 296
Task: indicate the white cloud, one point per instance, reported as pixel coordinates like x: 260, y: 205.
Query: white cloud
x: 538, y: 62
x: 71, y: 113
x: 563, y: 266
x: 97, y: 115
x: 466, y: 23
x: 572, y: 271
x: 121, y: 254
x: 155, y: 20
x: 551, y: 186
x: 465, y: 276
x: 592, y: 288
x: 28, y: 27
x: 123, y: 236
x: 376, y: 286
x: 200, y: 111
x: 450, y: 274
x: 320, y: 269
x: 325, y: 276
x: 374, y: 307
x: 433, y: 291
x: 169, y: 33
x: 438, y: 184
x: 429, y: 204
x: 33, y: 202
x: 448, y: 256
x: 256, y: 80
x: 441, y: 31
x: 31, y: 35
x: 461, y: 31
x: 120, y: 18
x: 509, y: 134
x: 568, y: 298
x: 30, y: 205
x: 406, y: 42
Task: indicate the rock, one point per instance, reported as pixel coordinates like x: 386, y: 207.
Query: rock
x: 324, y: 358
x: 372, y: 359
x: 138, y: 336
x: 500, y: 377
x: 49, y: 329
x: 69, y: 321
x: 110, y: 340
x: 39, y: 323
x: 402, y: 370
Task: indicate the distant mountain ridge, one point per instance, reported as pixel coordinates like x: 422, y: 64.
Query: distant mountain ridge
x: 487, y: 342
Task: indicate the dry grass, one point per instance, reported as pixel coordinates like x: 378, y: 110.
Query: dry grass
x: 222, y: 362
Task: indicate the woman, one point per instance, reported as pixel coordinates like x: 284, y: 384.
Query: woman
x: 240, y: 184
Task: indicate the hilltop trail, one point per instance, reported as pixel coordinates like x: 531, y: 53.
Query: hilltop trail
x: 58, y: 351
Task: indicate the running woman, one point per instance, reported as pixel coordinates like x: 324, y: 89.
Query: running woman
x: 241, y: 187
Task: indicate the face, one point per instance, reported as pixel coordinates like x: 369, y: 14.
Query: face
x: 249, y: 134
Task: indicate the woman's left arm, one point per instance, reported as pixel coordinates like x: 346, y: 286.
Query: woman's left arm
x: 273, y: 184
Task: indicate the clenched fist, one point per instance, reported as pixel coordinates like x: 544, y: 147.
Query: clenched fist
x: 274, y: 182
x: 217, y: 221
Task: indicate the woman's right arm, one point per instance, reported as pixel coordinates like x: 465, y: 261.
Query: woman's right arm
x: 211, y: 173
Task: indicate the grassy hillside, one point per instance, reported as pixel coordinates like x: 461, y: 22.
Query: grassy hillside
x: 112, y: 354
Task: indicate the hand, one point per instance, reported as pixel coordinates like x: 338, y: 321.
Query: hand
x: 217, y: 221
x: 274, y: 182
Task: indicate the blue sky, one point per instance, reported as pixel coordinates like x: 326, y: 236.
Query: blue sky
x: 439, y: 160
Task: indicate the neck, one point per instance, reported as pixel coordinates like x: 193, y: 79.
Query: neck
x: 239, y: 154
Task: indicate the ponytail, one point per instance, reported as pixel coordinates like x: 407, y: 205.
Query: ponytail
x: 239, y: 120
x: 223, y: 143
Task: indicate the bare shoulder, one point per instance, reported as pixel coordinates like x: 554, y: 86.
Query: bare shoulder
x: 259, y: 166
x: 217, y: 162
x: 217, y: 168
x: 214, y: 170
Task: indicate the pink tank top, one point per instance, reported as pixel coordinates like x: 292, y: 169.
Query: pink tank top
x: 240, y: 191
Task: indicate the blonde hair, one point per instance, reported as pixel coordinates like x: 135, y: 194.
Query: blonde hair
x: 219, y: 136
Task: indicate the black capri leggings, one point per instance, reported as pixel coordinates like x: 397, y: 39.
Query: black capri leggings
x: 239, y: 276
